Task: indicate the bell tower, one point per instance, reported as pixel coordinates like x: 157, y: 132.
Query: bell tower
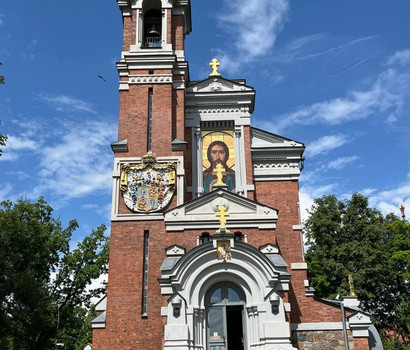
x: 153, y: 74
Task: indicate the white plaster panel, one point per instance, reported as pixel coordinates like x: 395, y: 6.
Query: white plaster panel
x: 317, y: 326
x: 276, y: 329
x: 298, y: 266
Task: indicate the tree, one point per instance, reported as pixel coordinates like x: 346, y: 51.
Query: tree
x: 349, y: 238
x: 397, y: 300
x: 43, y: 283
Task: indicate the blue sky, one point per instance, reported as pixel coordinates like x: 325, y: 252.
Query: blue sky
x: 334, y: 75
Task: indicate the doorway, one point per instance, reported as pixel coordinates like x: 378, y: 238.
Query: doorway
x: 225, y: 317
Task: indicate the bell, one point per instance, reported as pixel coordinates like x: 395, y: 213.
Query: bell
x: 154, y: 31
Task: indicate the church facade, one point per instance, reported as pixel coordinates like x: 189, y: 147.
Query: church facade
x: 206, y: 240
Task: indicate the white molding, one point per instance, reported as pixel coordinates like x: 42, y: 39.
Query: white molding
x: 200, y: 213
x: 306, y: 283
x: 287, y: 307
x: 151, y: 79
x: 297, y: 227
x: 317, y: 326
x: 193, y: 276
x: 298, y: 266
x: 359, y: 324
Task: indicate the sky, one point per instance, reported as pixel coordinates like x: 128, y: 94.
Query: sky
x: 334, y: 75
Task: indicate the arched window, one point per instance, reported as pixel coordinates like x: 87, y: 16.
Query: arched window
x: 152, y: 30
x: 205, y: 237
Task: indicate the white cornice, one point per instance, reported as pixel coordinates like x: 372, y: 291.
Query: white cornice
x: 200, y: 213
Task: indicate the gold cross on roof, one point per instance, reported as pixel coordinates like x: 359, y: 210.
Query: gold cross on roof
x: 219, y: 171
x: 222, y: 213
x: 214, y: 64
x: 351, y: 285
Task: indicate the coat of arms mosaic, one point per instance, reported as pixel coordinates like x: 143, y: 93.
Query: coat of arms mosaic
x: 147, y: 186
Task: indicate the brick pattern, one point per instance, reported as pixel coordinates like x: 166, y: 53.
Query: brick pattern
x: 178, y: 32
x: 129, y: 37
x: 361, y: 344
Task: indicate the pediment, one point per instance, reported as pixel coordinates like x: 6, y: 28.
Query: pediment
x: 217, y: 85
x: 200, y: 213
x: 263, y: 139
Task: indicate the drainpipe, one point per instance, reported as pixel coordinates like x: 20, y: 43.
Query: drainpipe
x: 342, y: 308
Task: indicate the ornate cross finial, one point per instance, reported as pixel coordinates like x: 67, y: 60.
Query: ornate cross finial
x: 351, y: 285
x: 222, y: 213
x: 214, y: 64
x: 219, y: 171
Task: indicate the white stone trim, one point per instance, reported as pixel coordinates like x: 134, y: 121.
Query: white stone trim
x: 164, y: 311
x: 306, y: 283
x: 298, y: 266
x: 150, y: 79
x: 359, y: 324
x: 297, y: 227
x: 199, y: 271
x: 116, y: 193
x: 287, y: 307
x: 200, y: 213
x: 317, y: 326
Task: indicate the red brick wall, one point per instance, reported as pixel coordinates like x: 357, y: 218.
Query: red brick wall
x: 361, y: 343
x: 178, y: 32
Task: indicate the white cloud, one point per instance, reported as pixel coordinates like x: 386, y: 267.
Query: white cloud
x: 368, y: 191
x: 66, y: 103
x: 5, y: 191
x: 326, y: 144
x: 387, y: 95
x: 400, y: 58
x: 102, y: 210
x: 16, y: 145
x: 389, y: 201
x: 341, y: 162
x: 80, y: 164
x: 253, y: 26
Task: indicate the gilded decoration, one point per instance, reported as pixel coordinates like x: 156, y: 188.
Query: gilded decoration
x: 147, y: 187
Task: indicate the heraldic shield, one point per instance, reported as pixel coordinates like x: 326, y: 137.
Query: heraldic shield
x: 149, y: 186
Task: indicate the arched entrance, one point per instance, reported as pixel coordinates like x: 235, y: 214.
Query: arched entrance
x: 225, y: 317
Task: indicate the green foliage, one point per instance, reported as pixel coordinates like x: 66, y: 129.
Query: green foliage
x: 43, y: 283
x: 348, y: 237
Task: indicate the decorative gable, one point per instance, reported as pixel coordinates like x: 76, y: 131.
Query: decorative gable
x: 200, y: 213
x: 359, y: 323
x: 218, y: 84
x: 217, y: 98
x: 275, y: 158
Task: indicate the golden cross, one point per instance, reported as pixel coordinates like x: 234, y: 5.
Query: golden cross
x: 222, y: 213
x: 219, y: 171
x: 351, y: 285
x: 214, y: 64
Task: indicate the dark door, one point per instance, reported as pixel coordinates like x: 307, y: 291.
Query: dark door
x: 225, y: 322
x: 234, y: 327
